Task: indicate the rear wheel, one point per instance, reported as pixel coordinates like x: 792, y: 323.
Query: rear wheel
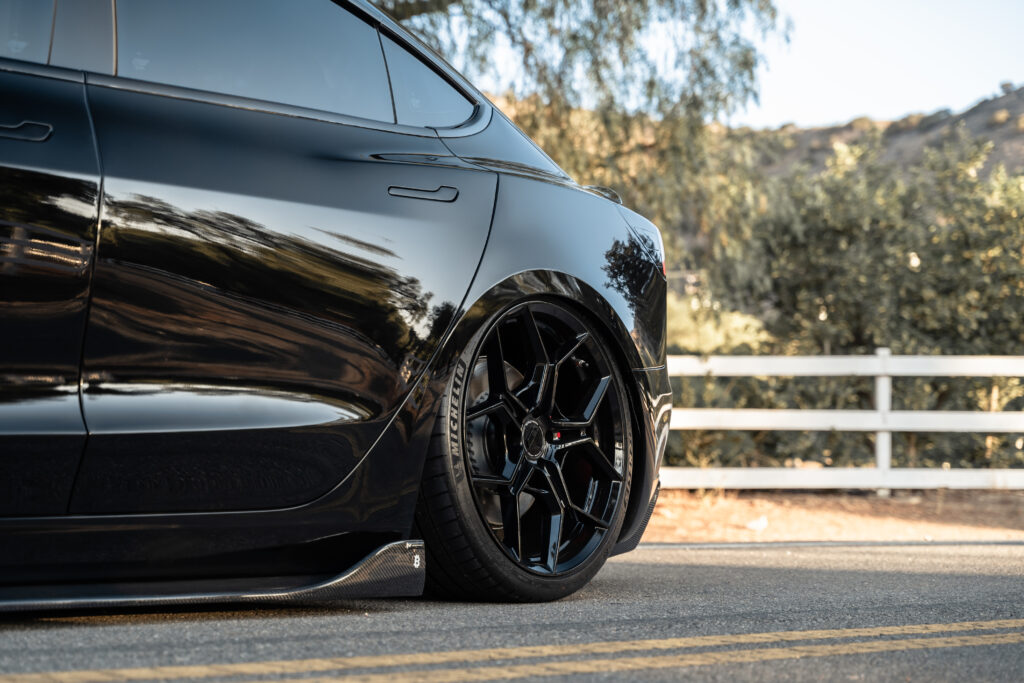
x: 529, y: 469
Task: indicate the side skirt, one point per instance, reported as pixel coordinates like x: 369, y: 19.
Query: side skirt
x: 393, y: 570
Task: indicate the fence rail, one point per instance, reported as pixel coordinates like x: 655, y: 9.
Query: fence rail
x: 882, y: 420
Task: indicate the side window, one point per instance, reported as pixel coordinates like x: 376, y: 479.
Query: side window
x: 83, y: 36
x: 422, y: 97
x: 307, y: 53
x: 25, y: 27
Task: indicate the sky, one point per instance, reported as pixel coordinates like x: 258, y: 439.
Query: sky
x: 886, y: 59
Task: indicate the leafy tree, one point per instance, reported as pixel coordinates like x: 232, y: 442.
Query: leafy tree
x: 618, y: 92
x: 924, y: 260
x: 928, y: 259
x: 656, y: 56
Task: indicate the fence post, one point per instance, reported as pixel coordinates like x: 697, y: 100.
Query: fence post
x: 883, y: 404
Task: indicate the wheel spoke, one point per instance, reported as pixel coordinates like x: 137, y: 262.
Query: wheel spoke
x: 490, y: 481
x: 536, y: 492
x: 513, y: 536
x: 512, y: 476
x: 540, y: 354
x: 497, y: 384
x: 539, y: 384
x: 557, y: 499
x: 598, y: 458
x: 521, y: 477
x: 589, y: 518
x: 489, y: 407
x: 546, y: 401
x: 595, y: 400
x: 566, y: 445
x: 538, y: 387
x: 559, y: 490
x: 515, y: 408
x: 589, y: 411
x: 554, y: 542
x: 570, y: 347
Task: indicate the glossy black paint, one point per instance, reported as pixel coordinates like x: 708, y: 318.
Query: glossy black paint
x: 49, y: 189
x: 502, y: 147
x: 567, y: 243
x: 270, y: 325
x: 225, y: 300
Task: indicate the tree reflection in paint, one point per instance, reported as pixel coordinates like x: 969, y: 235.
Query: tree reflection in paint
x: 634, y: 271
x: 205, y: 293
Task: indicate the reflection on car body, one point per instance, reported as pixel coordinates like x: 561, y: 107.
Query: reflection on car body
x: 237, y: 282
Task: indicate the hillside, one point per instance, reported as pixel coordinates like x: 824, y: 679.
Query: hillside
x: 998, y: 119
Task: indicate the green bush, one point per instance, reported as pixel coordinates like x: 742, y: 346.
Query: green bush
x: 923, y: 260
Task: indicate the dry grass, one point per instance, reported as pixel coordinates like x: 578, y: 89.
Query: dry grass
x: 725, y: 517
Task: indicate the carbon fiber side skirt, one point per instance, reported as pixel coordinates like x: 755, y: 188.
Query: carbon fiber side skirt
x: 393, y: 570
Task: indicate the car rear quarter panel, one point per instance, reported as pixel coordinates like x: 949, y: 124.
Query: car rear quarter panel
x: 553, y: 239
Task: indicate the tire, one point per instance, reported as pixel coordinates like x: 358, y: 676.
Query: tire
x: 525, y: 487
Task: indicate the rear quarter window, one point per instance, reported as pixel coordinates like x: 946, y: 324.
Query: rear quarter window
x: 422, y: 96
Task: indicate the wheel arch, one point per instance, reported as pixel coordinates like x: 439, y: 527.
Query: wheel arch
x: 551, y: 239
x: 592, y: 304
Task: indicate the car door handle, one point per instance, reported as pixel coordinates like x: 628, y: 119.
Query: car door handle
x: 28, y: 131
x: 441, y: 194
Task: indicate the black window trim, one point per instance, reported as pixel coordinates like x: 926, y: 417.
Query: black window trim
x: 42, y: 70
x: 387, y: 72
x: 53, y: 28
x: 237, y: 102
x: 113, y: 18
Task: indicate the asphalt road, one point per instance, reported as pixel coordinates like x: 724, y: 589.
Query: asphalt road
x: 780, y: 612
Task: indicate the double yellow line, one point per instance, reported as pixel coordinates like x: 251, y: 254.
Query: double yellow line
x: 583, y: 658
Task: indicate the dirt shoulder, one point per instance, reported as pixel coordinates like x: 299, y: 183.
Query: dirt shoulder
x: 740, y: 516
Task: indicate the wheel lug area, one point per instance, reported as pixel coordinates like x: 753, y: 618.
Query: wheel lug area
x: 534, y: 438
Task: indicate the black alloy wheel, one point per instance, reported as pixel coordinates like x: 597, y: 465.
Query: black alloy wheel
x: 536, y: 464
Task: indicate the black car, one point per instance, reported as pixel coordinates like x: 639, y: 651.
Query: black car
x: 282, y: 294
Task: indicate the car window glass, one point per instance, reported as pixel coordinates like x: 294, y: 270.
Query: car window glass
x: 25, y: 29
x: 83, y: 36
x: 422, y: 96
x: 307, y: 53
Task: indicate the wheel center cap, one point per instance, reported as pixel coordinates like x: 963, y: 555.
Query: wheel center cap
x: 533, y: 439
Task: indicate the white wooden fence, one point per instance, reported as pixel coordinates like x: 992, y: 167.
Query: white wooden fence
x: 882, y: 420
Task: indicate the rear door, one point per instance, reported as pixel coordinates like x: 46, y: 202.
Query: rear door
x: 49, y: 197
x: 277, y: 259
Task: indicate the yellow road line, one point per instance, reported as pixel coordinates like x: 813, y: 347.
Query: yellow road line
x: 488, y: 655
x: 593, y: 666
